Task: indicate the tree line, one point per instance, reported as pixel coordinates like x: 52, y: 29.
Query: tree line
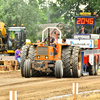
x: 31, y: 13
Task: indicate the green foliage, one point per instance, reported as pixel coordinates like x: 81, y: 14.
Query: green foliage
x: 1, y: 15
x: 55, y: 15
x: 40, y: 37
x: 43, y: 15
x: 68, y: 31
x: 35, y: 12
x: 71, y: 7
x: 20, y: 12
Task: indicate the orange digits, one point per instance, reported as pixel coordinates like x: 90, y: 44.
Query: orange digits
x: 91, y: 21
x: 83, y: 21
x: 78, y: 20
x: 87, y: 21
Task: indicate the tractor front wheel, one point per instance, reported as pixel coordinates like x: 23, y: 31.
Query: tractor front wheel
x: 27, y: 69
x: 59, y: 69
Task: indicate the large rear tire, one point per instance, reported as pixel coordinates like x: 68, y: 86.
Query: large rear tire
x: 66, y: 59
x: 27, y: 69
x: 92, y: 68
x: 59, y: 69
x: 76, y: 62
x: 24, y: 54
x: 96, y: 66
x: 32, y: 53
x: 32, y: 56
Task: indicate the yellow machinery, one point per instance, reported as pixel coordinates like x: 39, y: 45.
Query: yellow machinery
x: 9, y: 42
x: 3, y: 37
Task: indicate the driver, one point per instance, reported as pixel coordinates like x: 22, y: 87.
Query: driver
x: 52, y: 40
x: 16, y: 41
x: 83, y: 30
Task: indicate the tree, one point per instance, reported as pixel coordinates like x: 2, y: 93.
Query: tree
x: 1, y: 15
x: 68, y: 8
x: 55, y: 13
x: 18, y: 12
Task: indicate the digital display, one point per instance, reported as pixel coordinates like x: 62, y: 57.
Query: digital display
x: 89, y: 21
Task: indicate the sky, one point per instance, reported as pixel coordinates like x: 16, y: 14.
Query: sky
x: 53, y: 1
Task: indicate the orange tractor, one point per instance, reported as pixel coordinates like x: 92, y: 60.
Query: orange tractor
x: 61, y: 60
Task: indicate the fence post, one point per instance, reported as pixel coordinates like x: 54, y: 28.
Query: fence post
x: 75, y: 89
x: 12, y: 95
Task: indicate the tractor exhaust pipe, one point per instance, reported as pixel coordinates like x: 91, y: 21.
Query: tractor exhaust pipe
x: 48, y: 36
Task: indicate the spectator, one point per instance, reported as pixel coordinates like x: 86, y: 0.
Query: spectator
x: 83, y: 30
x: 38, y: 41
x: 17, y: 55
x: 64, y: 41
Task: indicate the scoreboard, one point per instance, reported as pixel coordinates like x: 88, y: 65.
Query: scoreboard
x: 85, y: 20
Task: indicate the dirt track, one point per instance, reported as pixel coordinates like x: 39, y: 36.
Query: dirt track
x: 40, y: 88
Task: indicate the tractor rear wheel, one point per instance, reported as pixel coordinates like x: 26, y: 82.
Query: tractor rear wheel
x: 92, y: 68
x: 32, y: 53
x: 76, y: 62
x: 24, y: 54
x: 96, y: 66
x: 27, y: 69
x: 32, y: 56
x: 59, y: 69
x: 66, y: 57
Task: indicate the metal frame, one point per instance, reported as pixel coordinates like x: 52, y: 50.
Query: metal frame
x: 50, y: 28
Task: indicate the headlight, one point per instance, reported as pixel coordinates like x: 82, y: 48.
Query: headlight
x: 38, y: 57
x: 46, y: 57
